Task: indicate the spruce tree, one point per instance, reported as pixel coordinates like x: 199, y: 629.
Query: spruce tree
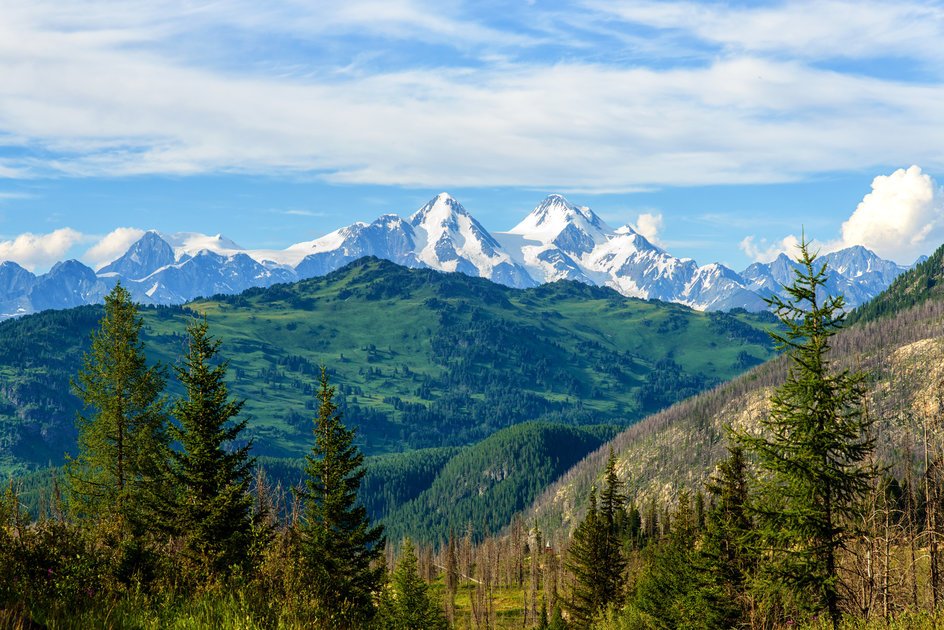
x: 341, y: 550
x: 614, y: 521
x: 212, y: 512
x: 595, y: 557
x: 408, y: 605
x: 812, y: 448
x: 728, y: 555
x: 674, y: 588
x: 121, y: 430
x: 586, y: 562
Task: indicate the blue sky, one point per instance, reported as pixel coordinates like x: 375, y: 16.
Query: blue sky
x: 718, y: 129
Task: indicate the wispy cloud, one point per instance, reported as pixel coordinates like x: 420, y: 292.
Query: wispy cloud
x: 111, y: 246
x: 809, y: 29
x: 762, y: 250
x: 10, y: 196
x: 294, y: 212
x: 508, y: 119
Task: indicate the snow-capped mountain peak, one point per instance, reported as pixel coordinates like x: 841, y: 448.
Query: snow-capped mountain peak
x: 557, y: 240
x: 448, y: 238
x: 442, y: 210
x: 191, y: 243
x: 555, y: 217
x: 144, y: 257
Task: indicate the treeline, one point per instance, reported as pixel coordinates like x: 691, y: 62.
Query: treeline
x: 797, y: 526
x: 163, y: 514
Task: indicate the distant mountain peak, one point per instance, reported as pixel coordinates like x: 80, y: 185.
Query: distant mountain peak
x: 145, y: 256
x: 555, y: 215
x: 441, y: 209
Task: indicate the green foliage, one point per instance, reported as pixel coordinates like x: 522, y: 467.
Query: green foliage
x: 340, y: 548
x: 407, y: 604
x: 595, y: 556
x: 422, y: 359
x: 121, y: 433
x: 211, y: 509
x: 675, y: 590
x: 811, y: 448
x: 395, y: 479
x: 727, y: 552
x: 484, y: 485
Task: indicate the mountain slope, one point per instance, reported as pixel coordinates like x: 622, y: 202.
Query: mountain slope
x: 678, y: 448
x: 925, y: 281
x: 487, y: 483
x: 421, y: 358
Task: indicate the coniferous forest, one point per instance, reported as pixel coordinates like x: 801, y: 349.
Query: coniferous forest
x: 165, y: 517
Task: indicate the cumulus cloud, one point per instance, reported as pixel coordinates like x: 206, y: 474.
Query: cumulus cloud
x: 649, y: 224
x: 901, y: 219
x: 34, y: 251
x: 111, y: 246
x: 762, y: 250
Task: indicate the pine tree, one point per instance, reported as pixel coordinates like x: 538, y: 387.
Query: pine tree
x: 812, y: 447
x: 340, y: 548
x: 675, y: 588
x: 586, y: 561
x: 213, y: 506
x: 121, y: 440
x: 595, y: 557
x: 409, y: 605
x: 726, y: 548
x: 614, y: 521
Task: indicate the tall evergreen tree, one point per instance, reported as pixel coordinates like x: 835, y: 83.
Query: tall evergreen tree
x: 726, y: 548
x: 595, y: 557
x: 812, y: 447
x: 213, y: 507
x: 408, y: 605
x: 341, y: 550
x: 585, y: 561
x: 122, y: 439
x: 675, y: 589
x: 615, y: 522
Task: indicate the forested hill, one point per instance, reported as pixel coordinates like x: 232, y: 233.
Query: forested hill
x: 677, y: 449
x: 427, y: 493
x: 923, y: 282
x: 421, y: 358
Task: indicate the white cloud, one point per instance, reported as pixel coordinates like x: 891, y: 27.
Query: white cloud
x: 762, y: 250
x: 805, y: 28
x: 649, y: 224
x: 111, y: 246
x: 580, y: 125
x: 34, y: 251
x: 901, y: 219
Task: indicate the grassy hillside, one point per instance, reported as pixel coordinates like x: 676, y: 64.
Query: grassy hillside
x: 679, y: 447
x: 421, y: 359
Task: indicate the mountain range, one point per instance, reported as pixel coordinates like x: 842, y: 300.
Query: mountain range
x: 556, y: 241
x: 421, y: 358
